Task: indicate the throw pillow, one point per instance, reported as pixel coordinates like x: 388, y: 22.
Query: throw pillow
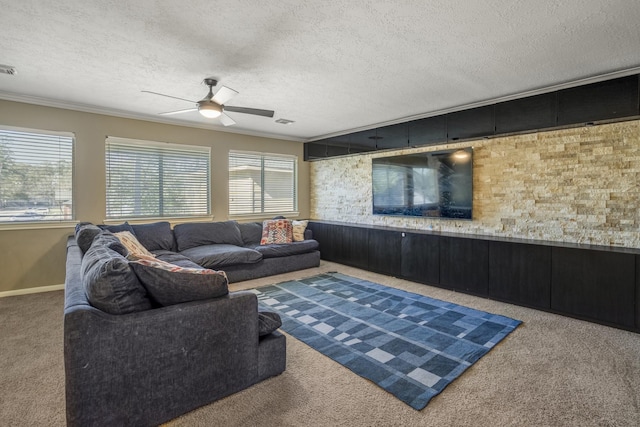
x: 276, y: 231
x: 109, y: 282
x: 298, y: 230
x: 135, y: 248
x: 170, y: 284
x: 268, y: 322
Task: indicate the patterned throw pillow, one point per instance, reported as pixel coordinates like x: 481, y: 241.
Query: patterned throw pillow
x: 135, y: 248
x: 276, y: 231
x: 298, y: 230
x: 170, y: 284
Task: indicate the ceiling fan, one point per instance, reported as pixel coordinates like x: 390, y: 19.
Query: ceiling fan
x: 212, y: 106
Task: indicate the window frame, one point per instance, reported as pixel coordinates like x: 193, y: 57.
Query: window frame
x: 150, y: 146
x: 48, y: 223
x: 262, y: 214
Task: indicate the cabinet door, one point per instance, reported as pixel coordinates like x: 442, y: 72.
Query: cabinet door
x: 420, y: 258
x: 473, y: 123
x: 464, y: 264
x: 533, y: 112
x: 520, y: 273
x: 595, y: 285
x: 354, y: 246
x: 384, y: 252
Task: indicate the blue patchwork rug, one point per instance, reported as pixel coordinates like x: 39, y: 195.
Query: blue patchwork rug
x: 410, y: 345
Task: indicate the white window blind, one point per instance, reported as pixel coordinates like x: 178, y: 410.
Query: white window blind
x: 147, y: 179
x: 36, y: 175
x: 262, y: 183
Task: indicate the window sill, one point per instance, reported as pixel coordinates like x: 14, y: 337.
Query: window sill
x: 171, y: 220
x: 37, y: 225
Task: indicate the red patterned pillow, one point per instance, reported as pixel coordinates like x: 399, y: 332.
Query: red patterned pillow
x: 276, y: 231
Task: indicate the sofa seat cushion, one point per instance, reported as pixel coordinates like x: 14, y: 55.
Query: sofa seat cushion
x: 286, y: 249
x: 194, y: 234
x: 169, y: 284
x: 175, y: 258
x: 221, y: 255
x: 108, y: 280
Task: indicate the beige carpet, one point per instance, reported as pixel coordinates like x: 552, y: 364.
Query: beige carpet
x: 551, y: 371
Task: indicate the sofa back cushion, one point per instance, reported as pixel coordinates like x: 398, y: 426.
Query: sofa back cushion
x: 85, y: 232
x: 194, y: 234
x: 155, y: 236
x: 108, y: 280
x: 251, y: 233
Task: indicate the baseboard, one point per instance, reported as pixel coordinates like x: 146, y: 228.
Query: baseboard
x: 31, y: 290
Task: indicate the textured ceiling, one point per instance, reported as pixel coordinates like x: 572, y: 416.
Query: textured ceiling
x: 330, y: 66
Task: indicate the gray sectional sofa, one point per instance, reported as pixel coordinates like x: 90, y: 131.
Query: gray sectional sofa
x: 141, y: 351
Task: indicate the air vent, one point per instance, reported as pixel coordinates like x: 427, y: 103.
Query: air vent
x: 284, y: 121
x: 7, y: 69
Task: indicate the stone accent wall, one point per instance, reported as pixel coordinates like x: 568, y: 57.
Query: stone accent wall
x: 579, y: 185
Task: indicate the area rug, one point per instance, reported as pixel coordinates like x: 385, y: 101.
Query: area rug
x: 411, y: 345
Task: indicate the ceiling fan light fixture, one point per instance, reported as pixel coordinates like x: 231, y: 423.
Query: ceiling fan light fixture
x: 209, y: 109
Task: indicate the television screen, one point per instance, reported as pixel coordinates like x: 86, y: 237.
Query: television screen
x: 435, y: 184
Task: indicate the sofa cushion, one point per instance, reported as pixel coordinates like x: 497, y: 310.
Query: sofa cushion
x: 84, y: 234
x: 155, y: 236
x: 109, y: 282
x: 191, y: 235
x: 276, y: 231
x: 251, y: 232
x: 170, y: 284
x: 175, y: 258
x: 221, y: 255
x: 268, y: 321
x: 299, y: 228
x: 134, y: 247
x: 125, y: 226
x: 294, y: 248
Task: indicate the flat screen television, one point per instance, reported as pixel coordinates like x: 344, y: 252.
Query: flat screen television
x: 434, y: 184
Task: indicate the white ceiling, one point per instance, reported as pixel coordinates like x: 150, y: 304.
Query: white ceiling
x: 332, y: 66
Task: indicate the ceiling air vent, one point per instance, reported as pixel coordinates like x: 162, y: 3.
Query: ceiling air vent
x: 7, y: 69
x: 284, y: 121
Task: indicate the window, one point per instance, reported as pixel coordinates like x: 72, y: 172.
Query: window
x: 36, y: 175
x: 262, y: 183
x: 148, y: 179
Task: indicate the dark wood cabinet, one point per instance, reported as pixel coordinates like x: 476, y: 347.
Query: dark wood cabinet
x: 594, y: 285
x: 420, y: 258
x: 427, y: 131
x: 394, y: 136
x: 384, y: 251
x: 464, y: 264
x: 473, y: 123
x: 520, y: 273
x: 314, y: 150
x: 598, y: 284
x: 525, y: 114
x: 355, y: 247
x: 610, y: 99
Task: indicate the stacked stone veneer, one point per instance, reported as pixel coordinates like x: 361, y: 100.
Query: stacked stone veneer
x: 578, y: 185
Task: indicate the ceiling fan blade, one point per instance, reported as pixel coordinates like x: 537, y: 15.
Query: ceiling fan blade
x: 223, y: 95
x: 168, y: 113
x: 245, y: 110
x: 226, y: 120
x: 168, y: 96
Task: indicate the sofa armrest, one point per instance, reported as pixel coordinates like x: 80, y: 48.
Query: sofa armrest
x: 147, y: 367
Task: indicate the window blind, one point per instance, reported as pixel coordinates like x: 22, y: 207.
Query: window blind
x: 262, y: 183
x: 147, y: 179
x: 36, y: 175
